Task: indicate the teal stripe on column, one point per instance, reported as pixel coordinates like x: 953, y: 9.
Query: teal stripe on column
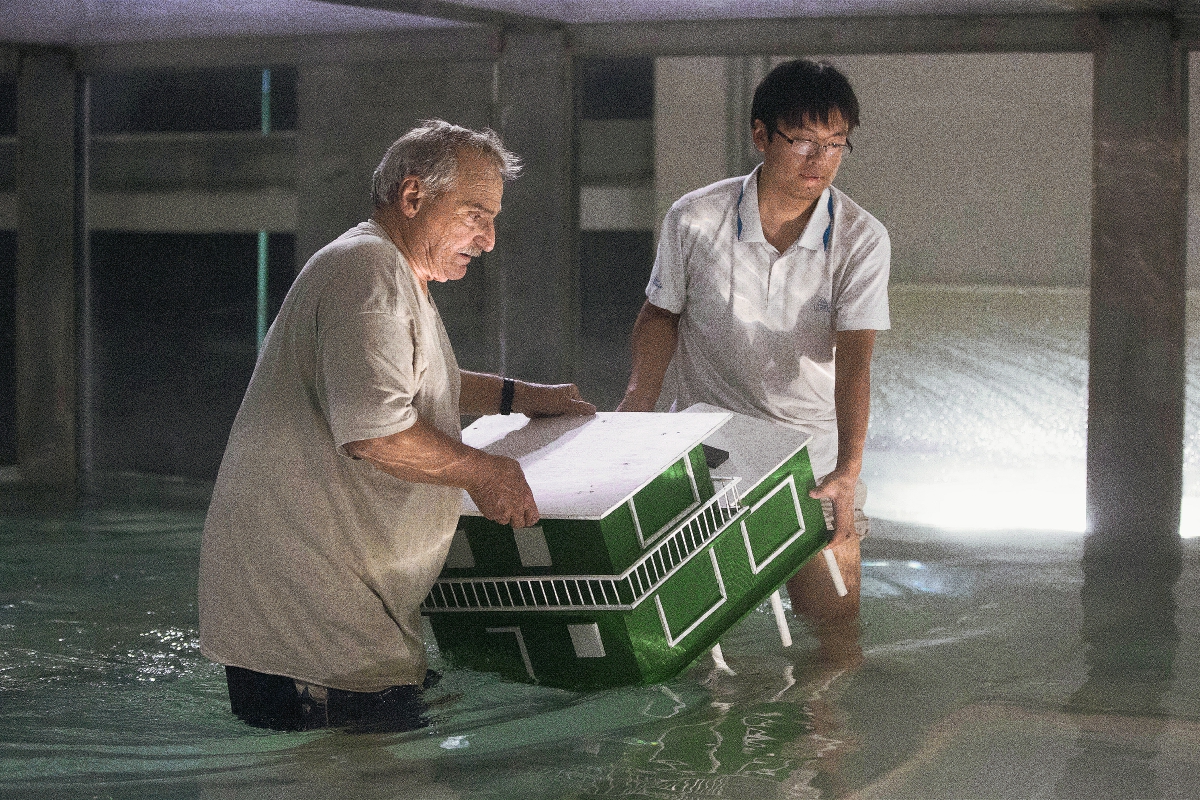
x: 262, y: 287
x: 262, y: 235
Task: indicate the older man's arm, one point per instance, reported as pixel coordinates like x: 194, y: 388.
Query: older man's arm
x: 852, y: 400
x: 481, y: 395
x: 423, y: 454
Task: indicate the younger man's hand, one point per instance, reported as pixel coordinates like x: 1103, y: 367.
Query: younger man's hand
x: 838, y: 488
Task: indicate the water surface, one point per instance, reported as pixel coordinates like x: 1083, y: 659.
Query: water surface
x: 985, y: 667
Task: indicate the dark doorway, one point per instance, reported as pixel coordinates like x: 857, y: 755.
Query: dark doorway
x: 175, y: 344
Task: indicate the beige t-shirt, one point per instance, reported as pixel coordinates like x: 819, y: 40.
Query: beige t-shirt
x: 313, y: 564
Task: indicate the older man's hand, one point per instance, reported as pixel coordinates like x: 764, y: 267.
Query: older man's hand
x: 540, y: 400
x: 501, y: 492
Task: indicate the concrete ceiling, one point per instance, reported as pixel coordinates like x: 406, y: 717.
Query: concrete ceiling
x: 600, y: 11
x: 96, y: 22
x: 92, y: 22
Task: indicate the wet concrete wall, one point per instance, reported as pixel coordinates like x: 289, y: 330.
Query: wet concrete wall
x: 348, y: 115
x: 979, y: 164
x: 45, y: 272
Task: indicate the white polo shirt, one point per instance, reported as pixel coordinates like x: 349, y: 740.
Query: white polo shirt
x: 757, y: 328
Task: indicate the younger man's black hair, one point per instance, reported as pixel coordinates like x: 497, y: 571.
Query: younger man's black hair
x: 803, y: 89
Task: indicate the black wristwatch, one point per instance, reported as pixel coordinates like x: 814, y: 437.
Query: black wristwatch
x: 506, y: 396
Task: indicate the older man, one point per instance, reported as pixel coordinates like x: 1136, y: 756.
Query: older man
x: 342, y: 480
x: 765, y: 298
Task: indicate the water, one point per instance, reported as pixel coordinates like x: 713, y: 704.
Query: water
x: 979, y: 410
x: 980, y: 401
x: 988, y: 665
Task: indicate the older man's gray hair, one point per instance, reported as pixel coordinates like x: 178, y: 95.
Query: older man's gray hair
x: 430, y: 152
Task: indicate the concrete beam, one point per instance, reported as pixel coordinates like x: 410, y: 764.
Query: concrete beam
x: 269, y: 209
x: 1139, y: 245
x: 479, y: 36
x: 628, y: 207
x: 45, y: 295
x: 10, y: 62
x: 455, y: 12
x: 172, y: 162
x: 1035, y: 33
x: 180, y: 182
x: 533, y: 273
x: 1032, y: 33
x: 465, y: 43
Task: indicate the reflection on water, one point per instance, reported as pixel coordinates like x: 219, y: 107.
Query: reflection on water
x: 1131, y: 638
x: 986, y: 665
x: 971, y: 663
x: 979, y: 410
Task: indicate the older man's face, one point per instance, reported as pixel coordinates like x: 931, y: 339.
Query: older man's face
x: 459, y: 224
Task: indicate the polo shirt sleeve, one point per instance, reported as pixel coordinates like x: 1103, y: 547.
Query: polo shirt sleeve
x: 861, y: 283
x: 668, y: 281
x: 371, y: 363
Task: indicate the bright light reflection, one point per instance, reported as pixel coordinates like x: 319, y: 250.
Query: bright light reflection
x: 979, y: 410
x: 979, y: 498
x: 965, y: 497
x: 1189, y: 517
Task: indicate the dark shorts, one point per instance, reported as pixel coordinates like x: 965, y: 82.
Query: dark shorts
x: 286, y: 704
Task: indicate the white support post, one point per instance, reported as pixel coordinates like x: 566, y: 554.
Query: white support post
x: 835, y: 572
x: 785, y: 634
x: 719, y: 659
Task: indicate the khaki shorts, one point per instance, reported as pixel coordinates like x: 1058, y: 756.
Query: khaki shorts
x: 861, y: 524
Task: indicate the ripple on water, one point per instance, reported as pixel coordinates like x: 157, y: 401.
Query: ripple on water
x: 103, y: 690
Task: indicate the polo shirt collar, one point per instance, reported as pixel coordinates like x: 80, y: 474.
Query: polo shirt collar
x: 749, y: 223
x: 813, y: 237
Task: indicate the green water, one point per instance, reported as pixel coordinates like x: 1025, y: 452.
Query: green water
x: 103, y: 692
x: 986, y: 666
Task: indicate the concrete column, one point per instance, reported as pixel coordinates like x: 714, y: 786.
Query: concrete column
x: 45, y: 296
x: 349, y: 114
x: 1139, y: 244
x: 690, y: 127
x: 744, y: 75
x: 332, y: 191
x: 533, y: 273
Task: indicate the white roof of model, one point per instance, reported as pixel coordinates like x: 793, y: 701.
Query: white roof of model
x: 585, y: 467
x: 756, y: 447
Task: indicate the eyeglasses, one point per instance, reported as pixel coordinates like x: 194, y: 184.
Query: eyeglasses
x: 807, y: 148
